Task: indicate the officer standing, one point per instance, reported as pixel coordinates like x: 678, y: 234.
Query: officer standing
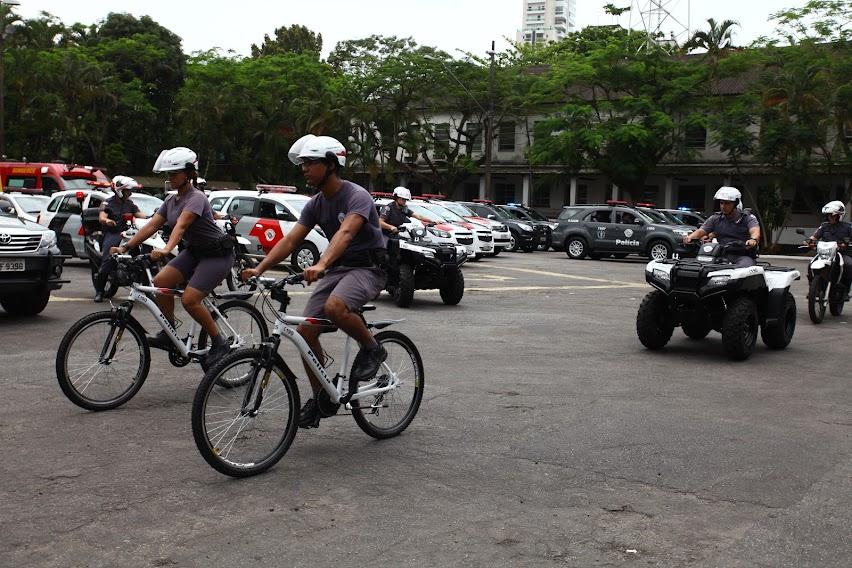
x: 111, y: 217
x: 731, y: 224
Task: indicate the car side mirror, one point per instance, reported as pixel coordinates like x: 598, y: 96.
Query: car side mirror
x: 492, y: 216
x: 800, y: 231
x: 639, y: 222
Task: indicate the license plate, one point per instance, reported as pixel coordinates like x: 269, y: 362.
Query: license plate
x: 12, y: 265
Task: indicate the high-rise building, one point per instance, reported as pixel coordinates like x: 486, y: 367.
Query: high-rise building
x: 547, y: 20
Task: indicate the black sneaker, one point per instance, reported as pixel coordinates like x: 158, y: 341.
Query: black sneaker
x: 367, y: 363
x: 309, y: 416
x: 160, y: 341
x: 216, y: 352
x: 99, y: 297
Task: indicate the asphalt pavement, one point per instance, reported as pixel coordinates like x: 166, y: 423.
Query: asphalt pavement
x: 548, y: 436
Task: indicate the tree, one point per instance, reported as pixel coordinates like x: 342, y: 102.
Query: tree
x: 715, y: 40
x: 295, y: 39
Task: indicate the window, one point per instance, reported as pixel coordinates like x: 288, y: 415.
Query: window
x: 650, y: 193
x: 217, y: 203
x: 582, y: 195
x: 600, y: 216
x: 95, y: 201
x: 517, y: 214
x: 471, y: 191
x: 241, y: 206
x: 54, y: 205
x: 541, y: 196
x: 570, y: 212
x: 504, y: 192
x: 273, y: 210
x: 506, y: 137
x: 473, y: 130
x: 696, y: 137
x: 21, y: 182
x: 70, y: 204
x: 691, y: 196
x: 442, y: 139
x: 49, y: 185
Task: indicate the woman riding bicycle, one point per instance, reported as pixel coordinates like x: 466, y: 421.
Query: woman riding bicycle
x: 202, y: 264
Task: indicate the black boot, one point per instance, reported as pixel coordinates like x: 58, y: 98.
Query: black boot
x: 367, y: 363
x: 309, y: 416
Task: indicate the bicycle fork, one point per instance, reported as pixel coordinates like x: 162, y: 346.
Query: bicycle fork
x: 260, y: 375
x: 116, y: 331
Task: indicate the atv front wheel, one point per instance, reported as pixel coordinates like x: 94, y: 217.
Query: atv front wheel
x: 452, y: 288
x: 779, y: 334
x: 739, y: 329
x: 654, y: 324
x: 403, y: 292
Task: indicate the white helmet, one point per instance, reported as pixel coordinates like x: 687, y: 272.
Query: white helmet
x: 402, y: 192
x: 317, y: 148
x: 175, y: 159
x: 121, y: 183
x: 727, y: 193
x: 834, y: 208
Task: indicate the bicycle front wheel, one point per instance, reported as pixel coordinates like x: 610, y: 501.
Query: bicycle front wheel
x: 246, y: 428
x: 100, y: 364
x: 387, y: 414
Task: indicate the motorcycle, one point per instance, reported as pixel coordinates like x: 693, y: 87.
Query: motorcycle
x: 93, y: 242
x: 423, y: 265
x: 242, y: 260
x: 824, y: 279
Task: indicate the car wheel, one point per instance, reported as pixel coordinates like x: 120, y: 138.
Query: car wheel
x: 654, y: 324
x: 513, y: 243
x: 660, y: 250
x: 575, y: 248
x: 306, y: 255
x: 25, y: 303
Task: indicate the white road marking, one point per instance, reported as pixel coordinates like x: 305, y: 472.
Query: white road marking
x: 570, y: 276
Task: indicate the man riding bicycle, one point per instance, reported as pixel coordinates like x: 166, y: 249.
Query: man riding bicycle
x: 352, y: 268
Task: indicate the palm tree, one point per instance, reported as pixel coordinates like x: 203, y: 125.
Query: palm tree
x: 715, y: 40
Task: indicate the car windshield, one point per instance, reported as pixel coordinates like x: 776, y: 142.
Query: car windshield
x: 655, y: 216
x: 297, y: 204
x: 443, y: 212
x: 32, y: 203
x: 6, y: 209
x: 672, y: 217
x: 535, y: 215
x: 570, y: 212
x: 459, y: 209
x: 147, y: 204
x: 421, y: 210
x: 76, y: 183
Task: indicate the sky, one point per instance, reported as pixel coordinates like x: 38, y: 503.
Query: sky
x: 456, y: 26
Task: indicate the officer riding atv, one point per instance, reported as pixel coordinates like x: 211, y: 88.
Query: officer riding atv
x: 721, y: 289
x: 414, y: 262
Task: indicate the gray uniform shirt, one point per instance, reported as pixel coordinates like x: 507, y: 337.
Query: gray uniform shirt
x: 204, y: 229
x: 395, y: 215
x: 728, y: 230
x: 115, y: 209
x: 836, y: 232
x: 330, y: 213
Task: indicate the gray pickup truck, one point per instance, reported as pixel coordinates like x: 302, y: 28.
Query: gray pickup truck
x: 30, y: 263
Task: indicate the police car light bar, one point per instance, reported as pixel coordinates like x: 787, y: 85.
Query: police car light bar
x: 381, y: 194
x: 268, y: 188
x: 100, y: 183
x: 433, y: 196
x: 645, y: 204
x: 616, y: 202
x: 487, y: 201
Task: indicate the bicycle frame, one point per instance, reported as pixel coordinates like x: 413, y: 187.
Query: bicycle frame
x: 284, y: 326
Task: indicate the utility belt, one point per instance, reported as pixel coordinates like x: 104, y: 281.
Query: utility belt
x: 370, y: 258
x: 223, y: 246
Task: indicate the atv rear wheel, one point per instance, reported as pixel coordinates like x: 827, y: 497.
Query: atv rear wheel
x: 403, y: 292
x: 779, y: 334
x: 739, y: 329
x: 654, y: 324
x: 452, y: 288
x: 696, y: 329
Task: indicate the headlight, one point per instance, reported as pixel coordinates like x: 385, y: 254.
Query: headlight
x: 439, y: 233
x: 681, y: 232
x: 660, y: 274
x: 525, y: 227
x: 824, y: 255
x: 429, y: 253
x: 719, y: 280
x: 48, y: 239
x: 553, y: 226
x: 501, y: 228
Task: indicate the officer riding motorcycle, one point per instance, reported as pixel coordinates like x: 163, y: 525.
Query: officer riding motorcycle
x: 730, y: 224
x: 834, y: 228
x: 112, y: 217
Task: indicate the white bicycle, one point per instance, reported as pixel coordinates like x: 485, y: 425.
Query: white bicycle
x: 244, y: 430
x: 104, y: 358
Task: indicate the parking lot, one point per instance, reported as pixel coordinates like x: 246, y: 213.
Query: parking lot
x: 548, y: 436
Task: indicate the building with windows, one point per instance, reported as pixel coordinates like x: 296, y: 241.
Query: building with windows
x: 547, y: 20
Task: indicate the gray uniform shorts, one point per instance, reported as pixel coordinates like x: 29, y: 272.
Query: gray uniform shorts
x: 355, y: 286
x: 203, y: 273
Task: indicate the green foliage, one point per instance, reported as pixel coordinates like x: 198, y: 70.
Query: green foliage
x: 294, y: 39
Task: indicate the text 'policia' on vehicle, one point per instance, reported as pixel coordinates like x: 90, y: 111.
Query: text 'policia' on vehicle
x: 616, y: 229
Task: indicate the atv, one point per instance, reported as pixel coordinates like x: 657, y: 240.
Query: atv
x: 417, y: 264
x: 709, y: 293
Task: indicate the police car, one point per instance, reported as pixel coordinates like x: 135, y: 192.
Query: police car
x: 265, y: 216
x: 615, y: 229
x: 483, y: 240
x: 522, y: 235
x: 500, y: 234
x: 534, y: 218
x: 27, y: 206
x: 63, y: 215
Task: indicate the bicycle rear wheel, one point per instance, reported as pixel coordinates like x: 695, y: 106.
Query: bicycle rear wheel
x: 387, y: 414
x: 237, y: 433
x: 249, y: 325
x: 101, y: 365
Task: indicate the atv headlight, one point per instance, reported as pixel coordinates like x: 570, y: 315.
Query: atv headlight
x: 429, y: 253
x: 525, y: 227
x: 48, y: 239
x: 719, y: 280
x: 439, y: 233
x: 661, y: 274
